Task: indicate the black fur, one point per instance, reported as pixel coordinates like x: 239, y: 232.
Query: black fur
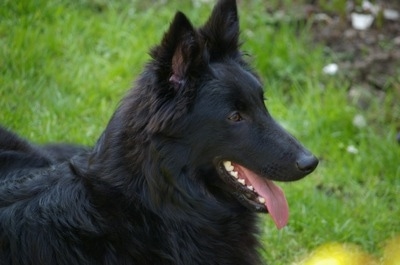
x: 18, y: 154
x: 153, y: 189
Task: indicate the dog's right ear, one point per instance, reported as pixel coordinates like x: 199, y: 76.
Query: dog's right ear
x: 177, y: 62
x: 178, y: 54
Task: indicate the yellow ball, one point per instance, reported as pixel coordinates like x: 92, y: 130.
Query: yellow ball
x: 391, y: 252
x: 339, y: 254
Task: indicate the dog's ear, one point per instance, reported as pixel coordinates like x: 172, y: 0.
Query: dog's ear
x: 179, y: 52
x: 221, y: 31
x: 177, y: 62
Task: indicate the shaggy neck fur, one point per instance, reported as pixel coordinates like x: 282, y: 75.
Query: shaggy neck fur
x: 147, y: 180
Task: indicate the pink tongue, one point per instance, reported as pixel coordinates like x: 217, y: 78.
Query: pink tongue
x: 275, y: 198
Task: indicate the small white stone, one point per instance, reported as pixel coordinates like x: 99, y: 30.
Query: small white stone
x: 352, y: 149
x: 391, y: 14
x: 361, y: 21
x: 359, y: 121
x: 330, y: 69
x: 370, y: 7
x: 396, y: 40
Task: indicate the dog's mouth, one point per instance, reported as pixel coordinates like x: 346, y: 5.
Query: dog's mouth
x: 255, y: 192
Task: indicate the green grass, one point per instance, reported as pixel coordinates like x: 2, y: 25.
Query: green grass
x: 66, y: 64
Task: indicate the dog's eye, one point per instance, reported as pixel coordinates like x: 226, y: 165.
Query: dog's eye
x: 235, y: 117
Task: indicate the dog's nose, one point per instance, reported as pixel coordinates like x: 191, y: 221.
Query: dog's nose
x: 307, y: 163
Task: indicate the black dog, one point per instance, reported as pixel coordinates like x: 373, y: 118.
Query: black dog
x: 177, y: 176
x: 18, y: 154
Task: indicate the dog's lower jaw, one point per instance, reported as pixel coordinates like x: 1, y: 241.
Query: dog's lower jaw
x: 255, y: 192
x: 245, y: 194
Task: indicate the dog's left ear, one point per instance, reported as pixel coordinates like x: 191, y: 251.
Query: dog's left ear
x: 221, y: 31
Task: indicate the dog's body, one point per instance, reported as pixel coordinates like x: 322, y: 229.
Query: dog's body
x: 177, y: 176
x: 16, y: 154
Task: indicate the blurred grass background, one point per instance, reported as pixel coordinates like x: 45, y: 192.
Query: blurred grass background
x: 64, y: 66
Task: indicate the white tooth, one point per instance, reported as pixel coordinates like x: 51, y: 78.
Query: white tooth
x: 234, y: 174
x: 261, y: 199
x: 242, y: 181
x: 228, y: 165
x: 250, y: 187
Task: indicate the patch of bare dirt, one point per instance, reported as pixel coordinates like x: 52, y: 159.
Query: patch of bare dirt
x: 368, y: 58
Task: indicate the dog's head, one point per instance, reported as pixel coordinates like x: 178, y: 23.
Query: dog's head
x: 209, y: 105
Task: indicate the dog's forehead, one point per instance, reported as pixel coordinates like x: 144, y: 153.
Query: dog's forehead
x: 234, y: 78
